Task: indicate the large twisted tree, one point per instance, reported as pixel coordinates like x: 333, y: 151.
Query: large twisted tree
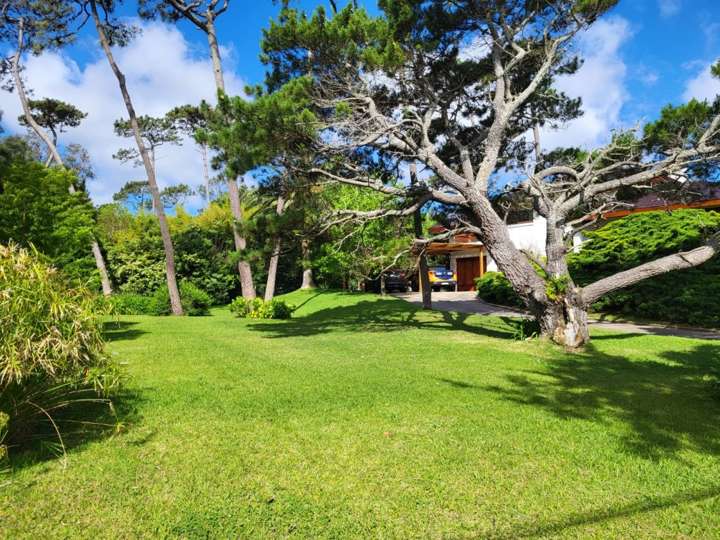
x: 462, y: 90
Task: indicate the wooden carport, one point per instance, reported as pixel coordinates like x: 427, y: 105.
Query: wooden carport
x: 468, y: 267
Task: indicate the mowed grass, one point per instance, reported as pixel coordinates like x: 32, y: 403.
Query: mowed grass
x: 365, y: 417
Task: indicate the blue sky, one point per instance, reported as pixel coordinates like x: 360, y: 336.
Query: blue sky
x: 641, y: 56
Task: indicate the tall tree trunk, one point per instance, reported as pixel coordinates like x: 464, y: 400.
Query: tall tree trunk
x: 246, y: 281
x: 206, y: 173
x: 214, y: 50
x: 308, y: 282
x: 175, y: 303
x: 54, y: 154
x: 423, y: 277
x: 244, y: 270
x: 275, y: 255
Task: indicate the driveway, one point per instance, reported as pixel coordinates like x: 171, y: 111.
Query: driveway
x: 468, y: 302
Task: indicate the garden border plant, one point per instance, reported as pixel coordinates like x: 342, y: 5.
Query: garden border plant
x: 52, y: 354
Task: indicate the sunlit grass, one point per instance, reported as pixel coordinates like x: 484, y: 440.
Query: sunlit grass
x: 364, y: 417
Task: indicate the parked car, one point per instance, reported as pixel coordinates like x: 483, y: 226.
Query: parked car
x: 395, y: 281
x: 442, y: 277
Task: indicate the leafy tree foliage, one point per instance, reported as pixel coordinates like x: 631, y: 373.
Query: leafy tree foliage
x: 36, y: 208
x: 155, y: 133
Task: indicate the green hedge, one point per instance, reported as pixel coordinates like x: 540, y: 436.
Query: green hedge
x: 683, y: 296
x: 132, y: 304
x: 195, y: 302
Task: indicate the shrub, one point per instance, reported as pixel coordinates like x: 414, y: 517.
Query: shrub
x: 259, y: 309
x: 194, y: 301
x: 132, y: 304
x: 242, y: 307
x: 495, y: 288
x: 51, y: 348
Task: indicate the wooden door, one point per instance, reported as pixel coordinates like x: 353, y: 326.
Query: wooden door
x: 468, y: 268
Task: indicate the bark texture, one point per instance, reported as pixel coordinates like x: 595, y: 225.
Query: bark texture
x: 175, y: 303
x: 423, y: 277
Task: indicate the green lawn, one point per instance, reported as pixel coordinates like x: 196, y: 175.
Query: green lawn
x: 363, y: 417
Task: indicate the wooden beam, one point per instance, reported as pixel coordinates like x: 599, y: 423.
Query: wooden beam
x: 709, y: 203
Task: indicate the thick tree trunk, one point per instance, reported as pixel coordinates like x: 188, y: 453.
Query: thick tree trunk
x: 53, y: 154
x: 496, y: 238
x: 424, y: 281
x: 175, y: 303
x: 308, y: 282
x: 275, y: 255
x: 565, y: 323
x: 272, y: 269
x: 565, y: 320
x: 562, y: 319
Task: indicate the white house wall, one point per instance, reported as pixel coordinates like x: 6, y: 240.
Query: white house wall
x: 527, y: 236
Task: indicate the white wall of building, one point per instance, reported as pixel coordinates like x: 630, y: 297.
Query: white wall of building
x: 528, y: 236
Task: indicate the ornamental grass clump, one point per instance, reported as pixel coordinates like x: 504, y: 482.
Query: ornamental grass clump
x: 51, y: 348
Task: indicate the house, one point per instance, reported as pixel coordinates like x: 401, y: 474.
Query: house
x: 469, y: 259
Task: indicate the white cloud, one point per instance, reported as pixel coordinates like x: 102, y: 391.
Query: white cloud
x: 646, y: 75
x: 600, y: 82
x: 668, y: 8
x: 162, y: 71
x: 702, y: 86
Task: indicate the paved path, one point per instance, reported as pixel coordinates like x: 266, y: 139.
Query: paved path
x: 468, y: 302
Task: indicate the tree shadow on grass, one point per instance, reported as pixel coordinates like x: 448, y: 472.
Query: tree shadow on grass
x: 600, y: 515
x: 668, y: 402
x: 84, y: 421
x: 120, y: 330
x: 384, y: 315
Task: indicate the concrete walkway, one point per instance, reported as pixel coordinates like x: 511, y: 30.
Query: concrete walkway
x: 468, y: 302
